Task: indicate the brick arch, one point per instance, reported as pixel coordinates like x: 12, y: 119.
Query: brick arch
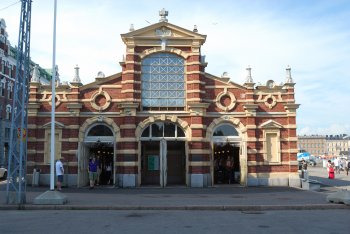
x: 98, y: 119
x: 242, y: 130
x: 153, y: 50
x: 172, y: 118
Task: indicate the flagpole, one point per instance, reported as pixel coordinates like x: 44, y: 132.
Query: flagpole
x: 53, y: 102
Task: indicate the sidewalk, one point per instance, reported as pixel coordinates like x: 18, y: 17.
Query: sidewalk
x: 181, y: 198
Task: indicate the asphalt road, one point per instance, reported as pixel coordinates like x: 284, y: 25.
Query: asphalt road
x: 335, y: 221
x: 147, y: 222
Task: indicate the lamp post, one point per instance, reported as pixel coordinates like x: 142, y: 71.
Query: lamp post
x: 52, y: 197
x: 53, y: 102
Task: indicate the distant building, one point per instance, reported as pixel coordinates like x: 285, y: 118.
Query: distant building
x: 164, y: 121
x: 314, y: 144
x: 337, y: 144
x: 328, y: 145
x: 7, y: 78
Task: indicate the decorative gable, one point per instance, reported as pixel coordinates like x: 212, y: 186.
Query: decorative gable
x: 163, y: 32
x: 271, y: 124
x: 57, y: 125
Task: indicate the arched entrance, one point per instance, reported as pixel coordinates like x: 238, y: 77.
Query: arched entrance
x: 98, y: 142
x: 163, y: 155
x: 226, y: 155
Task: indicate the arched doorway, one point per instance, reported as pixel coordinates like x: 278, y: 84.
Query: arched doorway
x: 163, y: 155
x: 226, y: 155
x: 99, y: 142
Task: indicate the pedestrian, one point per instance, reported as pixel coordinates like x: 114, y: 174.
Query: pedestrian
x: 229, y: 168
x: 108, y: 173
x: 304, y: 169
x: 329, y: 164
x: 347, y: 166
x: 59, y: 173
x: 336, y: 165
x: 92, y: 172
x: 98, y: 170
x: 331, y: 171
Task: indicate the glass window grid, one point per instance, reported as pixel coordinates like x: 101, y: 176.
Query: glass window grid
x: 163, y: 81
x: 148, y: 133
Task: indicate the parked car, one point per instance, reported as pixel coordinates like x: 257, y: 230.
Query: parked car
x: 3, y: 173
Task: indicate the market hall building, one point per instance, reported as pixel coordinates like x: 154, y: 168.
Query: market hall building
x: 163, y: 121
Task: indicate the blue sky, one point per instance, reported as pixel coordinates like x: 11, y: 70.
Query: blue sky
x: 312, y: 36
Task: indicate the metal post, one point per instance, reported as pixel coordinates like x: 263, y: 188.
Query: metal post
x: 53, y: 103
x: 16, y: 183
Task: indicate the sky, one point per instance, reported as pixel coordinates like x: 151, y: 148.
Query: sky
x: 311, y: 36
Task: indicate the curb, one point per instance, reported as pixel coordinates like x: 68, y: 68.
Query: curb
x: 218, y: 207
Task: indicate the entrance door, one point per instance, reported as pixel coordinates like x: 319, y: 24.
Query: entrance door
x: 226, y: 163
x: 163, y: 163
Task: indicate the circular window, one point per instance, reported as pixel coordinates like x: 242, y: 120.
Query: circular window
x: 57, y: 100
x: 270, y: 101
x: 226, y: 100
x: 100, y: 100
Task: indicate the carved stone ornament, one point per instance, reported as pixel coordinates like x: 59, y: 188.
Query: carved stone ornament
x: 223, y: 94
x: 270, y: 101
x: 163, y: 32
x: 100, y: 100
x: 57, y: 100
x: 100, y: 118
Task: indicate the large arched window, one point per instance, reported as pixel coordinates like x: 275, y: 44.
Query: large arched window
x: 100, y: 130
x: 225, y: 133
x: 99, y: 133
x: 225, y: 130
x: 163, y: 82
x: 162, y: 130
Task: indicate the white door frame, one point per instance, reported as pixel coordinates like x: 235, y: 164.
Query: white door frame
x: 163, y: 173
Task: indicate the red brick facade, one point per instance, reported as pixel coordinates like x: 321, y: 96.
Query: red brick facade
x: 255, y: 111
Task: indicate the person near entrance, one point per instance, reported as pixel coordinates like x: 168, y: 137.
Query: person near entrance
x: 98, y: 162
x: 230, y: 169
x: 108, y: 173
x: 59, y: 173
x: 92, y: 172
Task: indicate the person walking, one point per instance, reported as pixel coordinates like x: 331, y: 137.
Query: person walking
x: 108, y: 173
x: 92, y: 172
x: 336, y: 165
x: 229, y: 168
x: 329, y: 164
x: 304, y: 169
x: 331, y: 171
x: 59, y: 173
x: 98, y: 170
x: 347, y: 166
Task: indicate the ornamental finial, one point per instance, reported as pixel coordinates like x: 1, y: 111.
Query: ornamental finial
x: 249, y: 78
x: 36, y: 74
x: 289, y: 78
x: 76, y: 78
x: 163, y: 14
